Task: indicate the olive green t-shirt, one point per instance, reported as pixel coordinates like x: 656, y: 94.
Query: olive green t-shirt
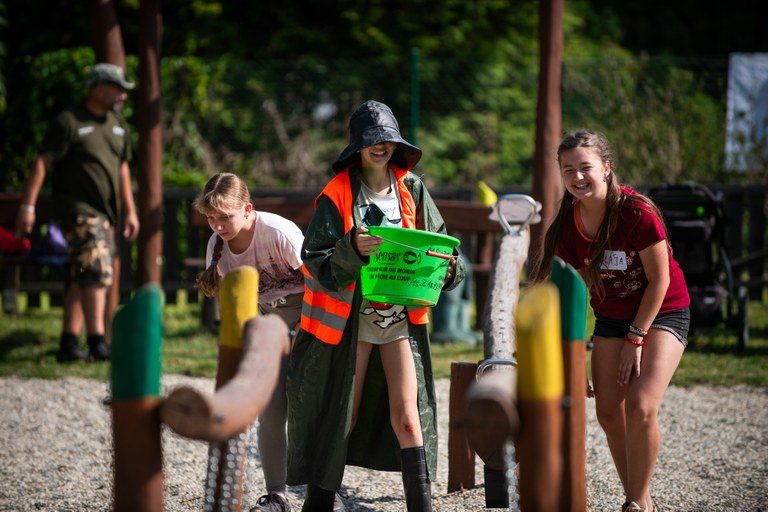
x: 87, y: 153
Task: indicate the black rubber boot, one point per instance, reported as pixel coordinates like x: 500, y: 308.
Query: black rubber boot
x: 319, y: 500
x: 68, y: 349
x: 496, y: 488
x: 97, y: 347
x: 418, y: 495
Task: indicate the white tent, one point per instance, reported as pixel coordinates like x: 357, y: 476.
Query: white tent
x: 746, y: 143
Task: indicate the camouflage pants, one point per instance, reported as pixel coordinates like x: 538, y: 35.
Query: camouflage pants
x: 91, y: 242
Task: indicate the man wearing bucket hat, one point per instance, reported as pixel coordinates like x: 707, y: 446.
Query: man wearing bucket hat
x: 87, y: 149
x: 346, y: 340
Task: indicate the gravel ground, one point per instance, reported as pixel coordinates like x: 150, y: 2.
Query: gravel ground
x: 55, y: 455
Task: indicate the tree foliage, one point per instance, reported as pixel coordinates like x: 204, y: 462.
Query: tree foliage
x: 265, y: 89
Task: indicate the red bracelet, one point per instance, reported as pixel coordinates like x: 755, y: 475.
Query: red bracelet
x: 639, y: 343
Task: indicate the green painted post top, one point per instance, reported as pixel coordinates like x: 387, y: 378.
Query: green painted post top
x: 137, y: 338
x: 573, y: 300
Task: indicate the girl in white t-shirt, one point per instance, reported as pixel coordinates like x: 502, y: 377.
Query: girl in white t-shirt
x: 272, y: 245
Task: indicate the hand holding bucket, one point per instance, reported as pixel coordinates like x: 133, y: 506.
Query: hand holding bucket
x: 407, y: 266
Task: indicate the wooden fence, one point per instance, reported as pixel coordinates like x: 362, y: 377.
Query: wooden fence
x: 185, y: 234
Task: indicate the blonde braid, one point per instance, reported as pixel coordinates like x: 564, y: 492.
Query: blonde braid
x: 208, y: 279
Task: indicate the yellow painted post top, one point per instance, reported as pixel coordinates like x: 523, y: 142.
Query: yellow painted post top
x: 238, y: 303
x: 539, y: 349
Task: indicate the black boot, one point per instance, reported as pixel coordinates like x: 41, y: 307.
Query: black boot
x: 98, y: 349
x: 418, y: 496
x: 320, y: 500
x: 68, y: 349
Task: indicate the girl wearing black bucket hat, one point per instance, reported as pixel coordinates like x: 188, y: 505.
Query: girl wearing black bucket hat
x: 360, y: 383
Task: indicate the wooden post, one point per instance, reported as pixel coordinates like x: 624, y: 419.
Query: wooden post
x: 135, y: 377
x: 547, y: 184
x: 573, y: 313
x: 105, y: 32
x: 108, y: 47
x: 150, y: 151
x: 238, y: 302
x: 461, y: 458
x: 540, y: 393
x: 757, y: 223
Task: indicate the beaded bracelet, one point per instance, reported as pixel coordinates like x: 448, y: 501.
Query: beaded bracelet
x: 638, y: 331
x: 638, y: 343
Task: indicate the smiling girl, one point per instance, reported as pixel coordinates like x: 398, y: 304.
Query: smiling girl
x: 616, y: 239
x: 360, y: 383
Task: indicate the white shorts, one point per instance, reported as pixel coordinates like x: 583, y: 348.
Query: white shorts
x: 382, y: 323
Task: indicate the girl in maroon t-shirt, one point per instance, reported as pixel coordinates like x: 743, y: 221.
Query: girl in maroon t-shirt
x: 617, y: 241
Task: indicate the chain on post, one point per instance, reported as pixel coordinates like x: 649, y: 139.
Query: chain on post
x: 251, y: 462
x: 509, y: 462
x: 222, y: 484
x: 214, y: 455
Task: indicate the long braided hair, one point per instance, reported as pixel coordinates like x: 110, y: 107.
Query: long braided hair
x: 224, y: 191
x: 615, y: 200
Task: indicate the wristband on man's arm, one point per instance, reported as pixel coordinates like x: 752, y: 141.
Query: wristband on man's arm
x: 27, y: 208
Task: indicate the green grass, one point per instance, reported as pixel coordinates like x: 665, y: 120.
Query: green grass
x: 29, y: 341
x: 28, y: 344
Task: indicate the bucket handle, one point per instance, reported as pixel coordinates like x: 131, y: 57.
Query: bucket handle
x: 425, y: 251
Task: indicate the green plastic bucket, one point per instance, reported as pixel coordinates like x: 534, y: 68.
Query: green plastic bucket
x: 407, y: 275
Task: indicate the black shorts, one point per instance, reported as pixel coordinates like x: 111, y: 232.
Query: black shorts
x: 677, y: 322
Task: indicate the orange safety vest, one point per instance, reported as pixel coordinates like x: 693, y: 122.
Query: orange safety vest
x: 324, y: 313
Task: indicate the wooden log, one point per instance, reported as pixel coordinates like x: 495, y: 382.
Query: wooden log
x: 540, y: 392
x: 573, y: 312
x: 240, y: 400
x: 491, y: 417
x: 135, y: 377
x: 499, y: 323
x: 461, y: 458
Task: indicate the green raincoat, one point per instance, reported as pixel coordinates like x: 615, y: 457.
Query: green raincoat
x: 320, y: 382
